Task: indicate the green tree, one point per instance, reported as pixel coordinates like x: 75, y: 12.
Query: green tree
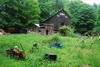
x: 97, y: 23
x: 32, y: 11
x: 83, y: 16
x: 45, y: 7
x: 50, y: 7
x: 19, y: 13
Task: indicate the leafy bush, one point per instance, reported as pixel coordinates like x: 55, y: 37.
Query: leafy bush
x: 67, y: 31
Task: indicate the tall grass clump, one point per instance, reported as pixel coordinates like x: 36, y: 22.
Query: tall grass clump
x: 52, y: 38
x: 55, y: 37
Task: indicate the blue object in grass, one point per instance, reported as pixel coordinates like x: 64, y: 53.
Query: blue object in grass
x: 57, y: 43
x: 61, y: 45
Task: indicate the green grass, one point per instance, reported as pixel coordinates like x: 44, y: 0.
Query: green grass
x: 77, y: 51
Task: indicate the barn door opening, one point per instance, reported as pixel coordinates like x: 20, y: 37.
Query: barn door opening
x: 47, y: 32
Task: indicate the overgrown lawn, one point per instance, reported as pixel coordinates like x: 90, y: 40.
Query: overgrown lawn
x: 76, y: 51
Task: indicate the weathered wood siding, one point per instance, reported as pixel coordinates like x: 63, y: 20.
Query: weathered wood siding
x: 47, y: 29
x: 58, y: 20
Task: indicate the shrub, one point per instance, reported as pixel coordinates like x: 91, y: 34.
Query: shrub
x: 66, y: 30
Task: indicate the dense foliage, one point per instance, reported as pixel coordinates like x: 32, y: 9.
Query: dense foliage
x: 24, y: 13
x: 83, y: 16
x: 97, y: 23
x: 19, y: 13
x: 50, y: 7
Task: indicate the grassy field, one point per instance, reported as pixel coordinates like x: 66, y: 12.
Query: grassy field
x: 76, y: 51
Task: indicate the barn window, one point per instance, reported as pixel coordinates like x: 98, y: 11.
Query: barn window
x: 62, y: 24
x: 58, y: 15
x: 62, y: 14
x: 66, y: 17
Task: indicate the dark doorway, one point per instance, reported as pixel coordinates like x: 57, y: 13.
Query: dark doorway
x: 47, y: 32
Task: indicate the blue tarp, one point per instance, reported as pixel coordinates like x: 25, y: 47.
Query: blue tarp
x: 58, y: 44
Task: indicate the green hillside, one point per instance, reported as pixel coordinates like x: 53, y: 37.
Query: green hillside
x: 76, y: 51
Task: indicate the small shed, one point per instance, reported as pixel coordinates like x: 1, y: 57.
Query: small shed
x: 46, y: 29
x: 33, y: 28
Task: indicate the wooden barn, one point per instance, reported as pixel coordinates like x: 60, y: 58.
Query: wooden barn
x: 52, y: 24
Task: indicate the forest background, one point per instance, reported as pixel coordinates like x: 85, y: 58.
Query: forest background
x: 23, y: 13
